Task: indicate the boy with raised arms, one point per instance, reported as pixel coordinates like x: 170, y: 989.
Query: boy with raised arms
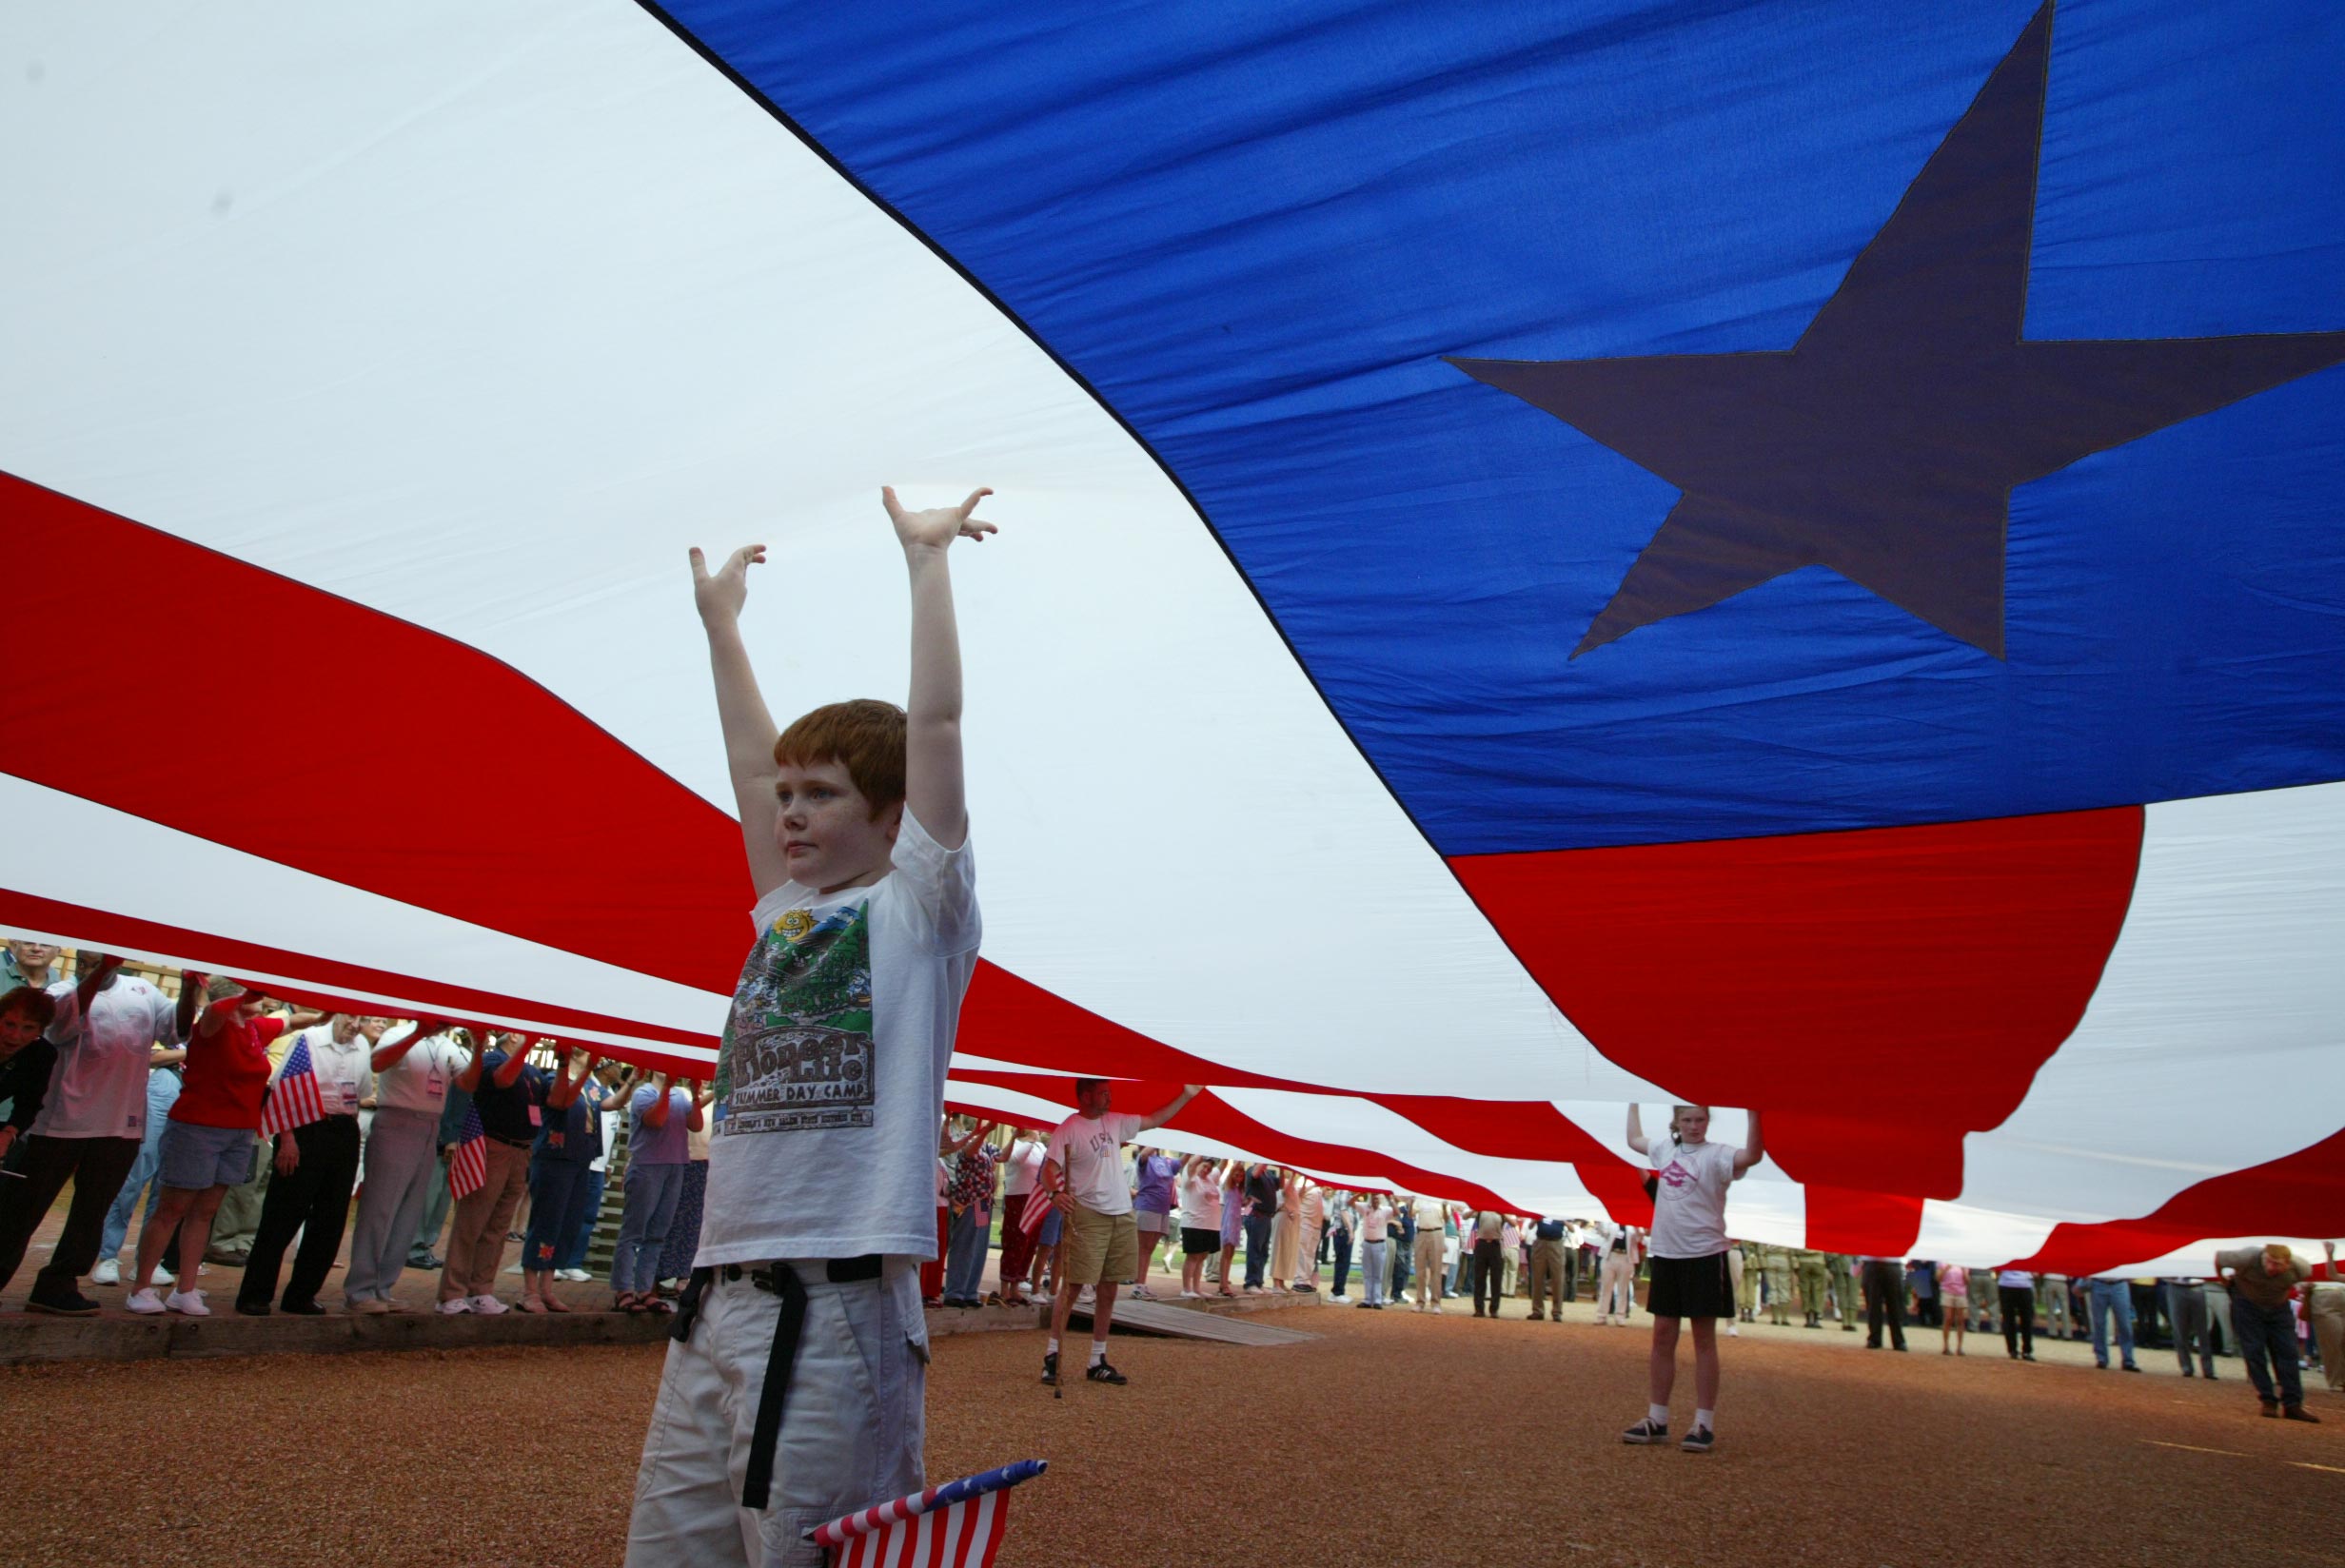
x: 794, y: 1385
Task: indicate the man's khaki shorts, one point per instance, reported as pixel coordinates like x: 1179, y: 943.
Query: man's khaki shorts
x: 1101, y: 1249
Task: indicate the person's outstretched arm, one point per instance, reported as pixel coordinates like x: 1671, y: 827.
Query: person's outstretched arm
x: 1753, y: 1150
x: 934, y: 792
x: 570, y: 1068
x: 515, y: 1058
x: 468, y: 1076
x: 656, y: 1113
x: 749, y: 732
x: 1636, y: 1129
x: 1159, y: 1118
x: 384, y: 1057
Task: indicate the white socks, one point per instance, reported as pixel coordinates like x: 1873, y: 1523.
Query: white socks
x: 1702, y: 1422
x: 1053, y: 1345
x: 1657, y: 1414
x: 1099, y: 1351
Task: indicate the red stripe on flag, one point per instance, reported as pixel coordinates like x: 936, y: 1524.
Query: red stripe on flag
x: 28, y: 912
x: 2300, y: 1194
x: 1758, y: 971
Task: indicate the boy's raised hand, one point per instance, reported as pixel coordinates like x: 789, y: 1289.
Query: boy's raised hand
x: 720, y: 596
x: 938, y: 526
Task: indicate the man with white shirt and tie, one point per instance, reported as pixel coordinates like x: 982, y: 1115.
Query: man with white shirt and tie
x: 316, y: 1168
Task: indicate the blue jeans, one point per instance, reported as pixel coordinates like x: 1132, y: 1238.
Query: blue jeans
x: 161, y: 1093
x: 1448, y: 1284
x: 1258, y: 1250
x: 964, y: 1258
x: 1343, y: 1258
x: 652, y: 1191
x: 1371, y: 1271
x: 2112, y: 1299
x: 557, y: 1194
x: 1401, y: 1266
x: 2267, y: 1331
x: 574, y: 1255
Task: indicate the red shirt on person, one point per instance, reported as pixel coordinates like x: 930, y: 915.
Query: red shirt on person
x: 228, y: 1068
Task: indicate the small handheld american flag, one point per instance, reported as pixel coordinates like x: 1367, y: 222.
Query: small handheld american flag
x: 293, y: 1100
x: 1048, y: 1184
x: 468, y: 1164
x: 956, y: 1525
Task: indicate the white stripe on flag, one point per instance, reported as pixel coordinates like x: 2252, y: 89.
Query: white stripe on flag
x: 993, y: 1512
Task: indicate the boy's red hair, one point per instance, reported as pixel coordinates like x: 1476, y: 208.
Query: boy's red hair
x: 866, y: 736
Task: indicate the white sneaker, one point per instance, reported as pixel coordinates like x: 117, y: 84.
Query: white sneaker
x: 187, y: 1302
x: 1086, y: 1296
x: 488, y: 1307
x: 108, y: 1272
x: 1733, y: 1333
x: 146, y: 1301
x: 164, y: 1276
x: 576, y: 1276
x: 462, y: 1304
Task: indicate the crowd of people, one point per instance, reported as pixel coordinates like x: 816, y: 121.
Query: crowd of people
x: 1193, y: 1217
x: 146, y: 1096
x: 149, y: 1095
x: 137, y: 1092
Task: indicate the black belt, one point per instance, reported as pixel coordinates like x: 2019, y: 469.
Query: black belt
x: 509, y: 1142
x: 780, y: 1280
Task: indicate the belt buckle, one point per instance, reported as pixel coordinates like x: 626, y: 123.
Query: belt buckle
x: 767, y: 1277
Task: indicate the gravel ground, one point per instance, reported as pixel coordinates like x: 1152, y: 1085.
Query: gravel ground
x: 1423, y: 1440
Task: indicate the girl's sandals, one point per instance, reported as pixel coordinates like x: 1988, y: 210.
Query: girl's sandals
x: 531, y: 1303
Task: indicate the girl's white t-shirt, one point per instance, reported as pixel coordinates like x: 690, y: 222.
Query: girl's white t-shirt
x: 1024, y: 1167
x: 1690, y: 1198
x: 1200, y: 1202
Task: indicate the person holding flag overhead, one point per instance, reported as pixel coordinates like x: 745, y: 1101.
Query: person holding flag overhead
x: 508, y: 1096
x: 412, y: 1075
x: 796, y: 1385
x: 1103, y: 1245
x: 208, y: 1149
x: 1687, y: 1254
x: 312, y: 1112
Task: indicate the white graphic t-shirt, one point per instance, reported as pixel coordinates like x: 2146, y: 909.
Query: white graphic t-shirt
x: 830, y: 1080
x: 1690, y: 1198
x: 1089, y: 1150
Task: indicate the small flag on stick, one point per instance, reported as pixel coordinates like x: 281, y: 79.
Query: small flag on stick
x: 956, y: 1525
x: 1038, y: 1204
x: 293, y: 1099
x: 468, y: 1164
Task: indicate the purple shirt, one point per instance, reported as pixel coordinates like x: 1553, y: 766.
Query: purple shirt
x: 1156, y: 1189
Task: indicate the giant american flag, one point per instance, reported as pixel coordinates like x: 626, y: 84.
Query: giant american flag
x: 1551, y: 556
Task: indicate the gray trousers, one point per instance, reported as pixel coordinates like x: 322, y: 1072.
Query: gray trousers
x: 853, y: 1429
x: 435, y: 1218
x: 401, y: 1153
x: 2186, y: 1306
